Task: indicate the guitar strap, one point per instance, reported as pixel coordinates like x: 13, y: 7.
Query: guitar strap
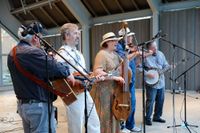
x: 32, y: 77
x: 77, y: 61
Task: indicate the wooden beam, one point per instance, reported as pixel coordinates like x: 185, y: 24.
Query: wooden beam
x: 32, y: 15
x: 33, y: 6
x: 104, y: 7
x: 118, y: 4
x: 60, y: 12
x: 135, y: 4
x: 90, y: 8
x: 54, y: 22
x: 79, y: 11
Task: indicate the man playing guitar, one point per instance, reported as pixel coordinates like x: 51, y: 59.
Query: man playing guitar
x: 75, y: 111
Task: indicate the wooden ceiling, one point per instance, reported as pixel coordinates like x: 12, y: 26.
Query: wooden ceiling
x: 54, y: 13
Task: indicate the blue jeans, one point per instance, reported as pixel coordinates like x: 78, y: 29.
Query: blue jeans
x: 157, y: 96
x: 35, y: 117
x: 130, y: 123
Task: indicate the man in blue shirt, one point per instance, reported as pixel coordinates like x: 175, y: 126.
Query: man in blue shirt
x: 28, y: 57
x: 120, y: 49
x: 155, y: 93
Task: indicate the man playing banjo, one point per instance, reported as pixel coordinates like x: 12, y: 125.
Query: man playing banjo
x: 155, y: 92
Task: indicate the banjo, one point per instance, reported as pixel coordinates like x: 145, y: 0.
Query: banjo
x: 153, y: 81
x: 157, y: 72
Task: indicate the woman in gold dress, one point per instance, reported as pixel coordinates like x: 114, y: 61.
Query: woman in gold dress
x: 106, y: 61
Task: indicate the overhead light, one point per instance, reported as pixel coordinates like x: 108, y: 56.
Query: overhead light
x: 131, y: 19
x: 135, y: 19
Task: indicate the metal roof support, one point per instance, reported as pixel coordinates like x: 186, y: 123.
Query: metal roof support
x: 79, y: 11
x: 33, y: 6
x: 180, y: 5
x: 50, y: 4
x: 23, y: 6
x: 84, y: 17
x: 154, y: 5
x: 122, y: 16
x: 7, y: 19
x: 86, y: 44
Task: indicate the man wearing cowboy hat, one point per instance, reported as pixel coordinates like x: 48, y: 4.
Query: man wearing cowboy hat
x: 27, y: 65
x: 120, y: 49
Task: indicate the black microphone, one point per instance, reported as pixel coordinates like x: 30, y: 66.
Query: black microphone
x: 157, y: 35
x: 163, y: 35
x: 26, y: 31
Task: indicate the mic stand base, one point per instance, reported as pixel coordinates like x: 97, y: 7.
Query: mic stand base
x: 184, y: 124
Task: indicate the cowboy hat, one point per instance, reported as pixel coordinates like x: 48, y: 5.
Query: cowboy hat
x: 121, y: 32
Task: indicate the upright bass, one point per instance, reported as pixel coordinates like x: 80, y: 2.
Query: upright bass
x: 122, y: 98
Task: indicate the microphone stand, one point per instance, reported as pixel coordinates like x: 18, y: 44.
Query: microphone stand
x: 143, y: 84
x: 47, y: 45
x: 185, y: 85
x: 50, y: 106
x: 143, y: 92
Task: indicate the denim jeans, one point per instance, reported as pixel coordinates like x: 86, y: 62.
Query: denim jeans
x: 130, y: 123
x: 35, y: 117
x: 157, y: 96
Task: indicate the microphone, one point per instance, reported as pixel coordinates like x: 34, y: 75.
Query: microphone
x: 163, y: 35
x: 26, y: 31
x: 157, y: 35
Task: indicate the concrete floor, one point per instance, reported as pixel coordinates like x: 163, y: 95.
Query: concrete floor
x: 11, y: 122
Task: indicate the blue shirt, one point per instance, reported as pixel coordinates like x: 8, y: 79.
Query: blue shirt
x: 159, y: 62
x: 120, y: 49
x: 33, y: 60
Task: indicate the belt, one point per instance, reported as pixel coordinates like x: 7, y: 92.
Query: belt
x: 28, y: 101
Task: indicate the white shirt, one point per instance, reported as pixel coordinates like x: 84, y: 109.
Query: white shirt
x: 77, y: 55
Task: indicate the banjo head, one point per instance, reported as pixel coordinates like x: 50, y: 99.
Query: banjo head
x: 152, y: 81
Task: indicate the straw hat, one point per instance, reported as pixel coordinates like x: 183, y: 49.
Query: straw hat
x: 109, y: 37
x: 121, y: 32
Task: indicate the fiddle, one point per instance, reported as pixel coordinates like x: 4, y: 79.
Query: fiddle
x: 137, y: 51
